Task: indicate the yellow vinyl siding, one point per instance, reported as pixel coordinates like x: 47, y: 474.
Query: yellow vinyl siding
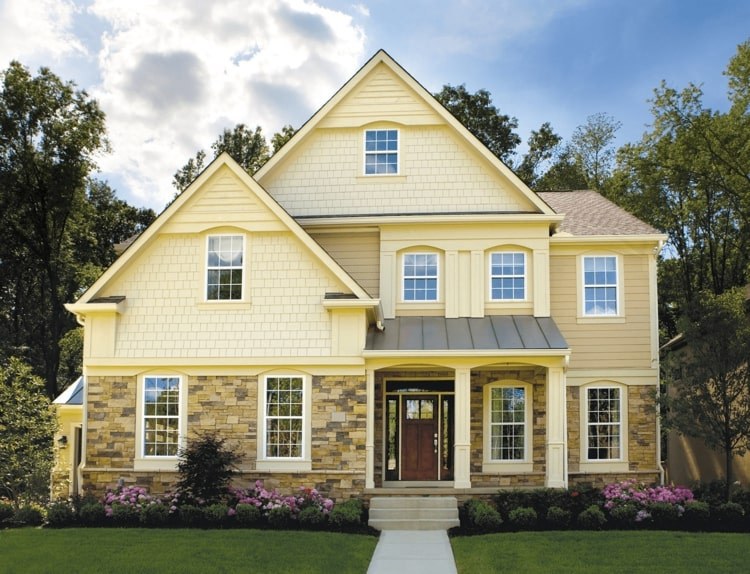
x: 358, y: 254
x: 618, y: 343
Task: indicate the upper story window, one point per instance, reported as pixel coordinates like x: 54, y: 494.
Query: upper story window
x: 604, y: 423
x: 381, y: 152
x: 224, y: 267
x: 600, y: 296
x: 161, y: 416
x: 420, y: 277
x: 507, y: 276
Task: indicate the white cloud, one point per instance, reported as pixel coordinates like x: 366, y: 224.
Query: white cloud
x: 173, y: 78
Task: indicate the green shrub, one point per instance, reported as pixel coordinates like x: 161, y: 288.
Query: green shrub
x: 481, y: 516
x: 206, y: 467
x: 191, y: 516
x: 27, y: 516
x: 155, y: 516
x: 592, y: 518
x: 697, y: 514
x: 663, y: 514
x: 523, y: 518
x: 125, y: 515
x: 347, y: 515
x: 558, y: 518
x: 92, y: 514
x: 729, y: 515
x: 60, y: 514
x: 311, y: 518
x: 6, y: 512
x: 216, y: 515
x: 280, y: 517
x: 624, y: 515
x: 247, y: 515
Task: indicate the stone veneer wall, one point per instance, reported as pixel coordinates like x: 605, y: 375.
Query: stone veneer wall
x: 641, y: 439
x: 229, y: 406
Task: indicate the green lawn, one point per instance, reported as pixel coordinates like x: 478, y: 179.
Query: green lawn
x: 602, y: 552
x: 101, y: 550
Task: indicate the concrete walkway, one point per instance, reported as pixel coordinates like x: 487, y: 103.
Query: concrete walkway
x: 413, y: 552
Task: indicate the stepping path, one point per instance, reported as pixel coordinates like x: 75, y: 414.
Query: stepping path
x: 413, y: 552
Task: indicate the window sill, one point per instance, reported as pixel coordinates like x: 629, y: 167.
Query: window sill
x: 223, y: 305
x: 162, y: 463
x: 600, y: 319
x: 507, y: 467
x: 382, y: 177
x: 603, y: 466
x: 284, y: 465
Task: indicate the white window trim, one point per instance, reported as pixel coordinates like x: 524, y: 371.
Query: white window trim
x: 597, y: 465
x: 583, y: 317
x: 282, y: 464
x: 166, y: 463
x: 492, y: 466
x: 525, y: 276
x: 243, y: 296
x: 402, y: 277
x: 365, y: 152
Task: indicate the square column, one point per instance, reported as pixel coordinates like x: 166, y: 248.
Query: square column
x: 370, y: 431
x: 462, y: 435
x: 557, y: 445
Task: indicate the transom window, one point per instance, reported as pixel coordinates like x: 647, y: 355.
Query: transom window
x: 604, y: 423
x: 224, y: 267
x: 507, y: 423
x: 508, y: 276
x: 420, y: 277
x: 284, y: 417
x: 381, y: 152
x: 161, y: 416
x: 600, y: 285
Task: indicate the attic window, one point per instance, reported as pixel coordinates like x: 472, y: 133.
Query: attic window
x: 381, y: 152
x: 224, y: 267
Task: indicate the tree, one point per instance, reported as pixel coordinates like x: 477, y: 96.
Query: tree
x: 27, y: 429
x: 280, y: 138
x: 591, y: 146
x: 206, y: 467
x: 542, y: 146
x: 710, y: 382
x: 476, y: 112
x: 50, y: 135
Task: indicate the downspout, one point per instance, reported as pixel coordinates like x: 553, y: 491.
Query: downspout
x: 655, y: 334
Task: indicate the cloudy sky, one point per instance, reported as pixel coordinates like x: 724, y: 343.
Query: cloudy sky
x: 170, y: 74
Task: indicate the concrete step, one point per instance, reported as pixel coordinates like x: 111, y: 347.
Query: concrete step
x: 414, y: 513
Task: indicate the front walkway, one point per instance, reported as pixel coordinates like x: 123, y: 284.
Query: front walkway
x: 413, y: 552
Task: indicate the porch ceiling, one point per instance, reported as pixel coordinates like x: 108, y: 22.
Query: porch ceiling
x: 501, y: 332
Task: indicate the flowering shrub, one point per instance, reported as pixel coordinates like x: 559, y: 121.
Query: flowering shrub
x: 132, y: 497
x: 646, y: 499
x: 267, y: 500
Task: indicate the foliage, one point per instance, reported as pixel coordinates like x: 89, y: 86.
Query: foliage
x: 642, y: 496
x: 27, y: 427
x: 280, y: 516
x: 28, y: 515
x: 124, y: 514
x: 523, y: 518
x: 6, y: 511
x: 557, y: 517
x: 61, y: 514
x: 92, y: 514
x: 697, y: 513
x: 247, y: 514
x: 477, y: 113
x: 347, y: 515
x: 136, y: 497
x: 155, y: 515
x: 592, y: 518
x: 730, y: 514
x: 191, y: 516
x: 205, y: 468
x: 481, y: 517
x: 542, y: 144
x: 266, y: 500
x: 280, y: 138
x: 216, y: 515
x: 709, y: 384
x: 311, y: 518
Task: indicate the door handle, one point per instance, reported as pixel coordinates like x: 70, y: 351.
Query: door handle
x: 435, y: 442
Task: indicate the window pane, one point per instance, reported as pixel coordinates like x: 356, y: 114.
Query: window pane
x: 603, y: 423
x: 283, y: 421
x: 161, y: 412
x: 381, y: 152
x: 224, y: 267
x: 507, y: 423
x: 507, y: 276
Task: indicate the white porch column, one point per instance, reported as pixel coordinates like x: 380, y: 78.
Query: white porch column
x: 557, y: 447
x: 462, y: 435
x: 370, y: 431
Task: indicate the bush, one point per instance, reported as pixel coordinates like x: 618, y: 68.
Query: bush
x: 311, y: 518
x: 206, y: 466
x: 558, y: 518
x: 216, y: 515
x: 28, y: 516
x: 730, y: 515
x: 697, y: 514
x: 124, y: 514
x: 625, y: 515
x: 482, y: 516
x: 280, y: 517
x: 92, y: 514
x: 60, y: 514
x: 592, y: 518
x: 191, y: 516
x: 523, y: 518
x: 155, y: 515
x: 6, y: 512
x: 247, y: 515
x: 347, y: 515
x: 664, y: 514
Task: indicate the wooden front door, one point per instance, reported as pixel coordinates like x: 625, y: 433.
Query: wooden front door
x: 419, y: 440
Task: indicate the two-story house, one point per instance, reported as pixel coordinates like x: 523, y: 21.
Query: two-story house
x: 383, y: 305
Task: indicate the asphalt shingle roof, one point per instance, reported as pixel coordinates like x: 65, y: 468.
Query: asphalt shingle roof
x: 588, y: 213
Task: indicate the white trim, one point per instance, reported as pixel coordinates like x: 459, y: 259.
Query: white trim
x: 526, y: 464
x: 285, y: 464
x: 490, y: 276
x: 619, y: 464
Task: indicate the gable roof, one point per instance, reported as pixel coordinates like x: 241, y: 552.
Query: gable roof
x: 587, y: 213
x: 73, y: 395
x: 90, y: 297
x: 435, y: 108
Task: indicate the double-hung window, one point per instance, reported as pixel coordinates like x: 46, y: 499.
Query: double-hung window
x: 161, y: 416
x: 604, y: 423
x: 420, y: 272
x: 284, y: 417
x: 225, y: 267
x: 381, y: 152
x: 507, y: 276
x: 600, y: 286
x: 508, y: 434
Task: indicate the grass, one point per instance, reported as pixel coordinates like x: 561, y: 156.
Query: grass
x: 598, y: 552
x: 102, y: 550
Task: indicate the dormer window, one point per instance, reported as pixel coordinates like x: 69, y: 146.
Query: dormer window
x: 381, y: 152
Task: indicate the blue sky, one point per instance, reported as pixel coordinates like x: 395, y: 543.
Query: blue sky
x: 171, y: 75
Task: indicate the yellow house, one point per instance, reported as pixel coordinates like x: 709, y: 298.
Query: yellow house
x: 383, y: 308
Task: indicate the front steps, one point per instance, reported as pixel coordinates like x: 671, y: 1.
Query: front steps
x: 413, y: 512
